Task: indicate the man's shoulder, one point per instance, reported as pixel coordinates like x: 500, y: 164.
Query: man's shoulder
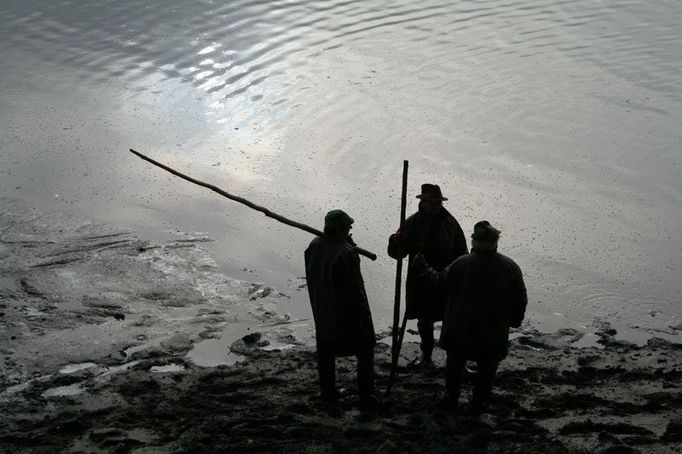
x: 413, y: 217
x: 460, y: 264
x: 419, y: 218
x: 508, y: 261
x: 325, y: 245
x: 316, y: 244
x: 447, y: 217
x: 463, y: 259
x: 317, y: 241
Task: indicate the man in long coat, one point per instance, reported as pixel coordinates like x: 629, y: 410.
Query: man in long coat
x: 343, y: 322
x: 486, y: 296
x: 434, y: 233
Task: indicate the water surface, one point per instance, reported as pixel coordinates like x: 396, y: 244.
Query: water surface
x: 557, y: 122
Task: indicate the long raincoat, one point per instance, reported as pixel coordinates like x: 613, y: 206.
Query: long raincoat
x: 441, y: 240
x: 486, y: 295
x: 338, y: 297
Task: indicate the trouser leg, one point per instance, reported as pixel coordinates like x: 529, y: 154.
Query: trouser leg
x: 454, y: 369
x: 425, y: 328
x: 366, y: 372
x: 326, y: 362
x: 484, y: 382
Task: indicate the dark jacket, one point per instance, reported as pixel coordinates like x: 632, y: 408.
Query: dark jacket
x: 441, y: 240
x: 486, y: 295
x: 337, y: 296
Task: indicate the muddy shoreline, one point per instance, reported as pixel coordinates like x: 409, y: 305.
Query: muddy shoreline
x: 549, y: 397
x: 99, y: 332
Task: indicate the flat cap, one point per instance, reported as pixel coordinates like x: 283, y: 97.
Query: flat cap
x: 483, y: 231
x: 337, y: 218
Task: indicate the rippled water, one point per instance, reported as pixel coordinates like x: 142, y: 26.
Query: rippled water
x: 557, y: 121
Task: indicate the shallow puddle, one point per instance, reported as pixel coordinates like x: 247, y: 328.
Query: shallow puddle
x: 64, y: 391
x: 167, y: 368
x: 214, y: 352
x: 269, y: 337
x: 277, y: 346
x: 589, y: 340
x: 72, y: 368
x: 116, y: 369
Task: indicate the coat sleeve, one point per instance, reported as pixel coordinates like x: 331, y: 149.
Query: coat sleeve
x: 519, y: 297
x: 348, y: 284
x: 460, y: 244
x: 397, y: 252
x: 436, y: 280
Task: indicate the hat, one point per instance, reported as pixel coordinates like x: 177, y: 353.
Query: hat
x: 483, y: 231
x: 431, y: 192
x: 337, y: 218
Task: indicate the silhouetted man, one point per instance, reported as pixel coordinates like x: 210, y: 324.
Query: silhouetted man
x: 343, y: 322
x: 434, y: 233
x: 486, y: 296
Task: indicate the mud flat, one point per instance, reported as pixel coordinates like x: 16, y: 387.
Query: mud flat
x: 549, y: 399
x: 98, y: 330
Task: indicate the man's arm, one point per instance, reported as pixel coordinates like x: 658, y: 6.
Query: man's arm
x: 460, y: 246
x: 401, y: 243
x: 348, y: 284
x: 429, y: 275
x: 398, y: 245
x: 519, y: 298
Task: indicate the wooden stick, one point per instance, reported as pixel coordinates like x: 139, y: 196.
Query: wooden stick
x: 398, y: 333
x: 249, y: 204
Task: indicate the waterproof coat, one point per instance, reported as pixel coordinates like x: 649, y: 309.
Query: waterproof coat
x: 486, y: 295
x: 441, y: 240
x: 338, y: 297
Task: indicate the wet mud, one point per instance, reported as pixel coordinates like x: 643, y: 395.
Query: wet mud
x: 547, y: 400
x: 98, y: 330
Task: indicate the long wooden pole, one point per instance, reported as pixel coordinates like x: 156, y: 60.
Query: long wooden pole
x: 249, y: 204
x: 397, y: 338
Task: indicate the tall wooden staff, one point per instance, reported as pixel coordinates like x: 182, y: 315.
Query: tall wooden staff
x: 265, y: 211
x: 398, y: 333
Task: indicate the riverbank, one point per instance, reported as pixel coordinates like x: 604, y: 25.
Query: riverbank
x: 549, y: 398
x: 99, y: 332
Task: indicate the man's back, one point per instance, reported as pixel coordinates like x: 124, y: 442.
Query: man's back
x: 343, y: 322
x: 337, y: 294
x: 487, y: 296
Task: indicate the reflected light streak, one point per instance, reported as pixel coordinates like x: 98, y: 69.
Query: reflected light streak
x: 209, y: 49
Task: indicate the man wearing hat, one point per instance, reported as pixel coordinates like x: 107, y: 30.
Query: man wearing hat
x: 434, y: 233
x: 343, y: 322
x: 486, y: 296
